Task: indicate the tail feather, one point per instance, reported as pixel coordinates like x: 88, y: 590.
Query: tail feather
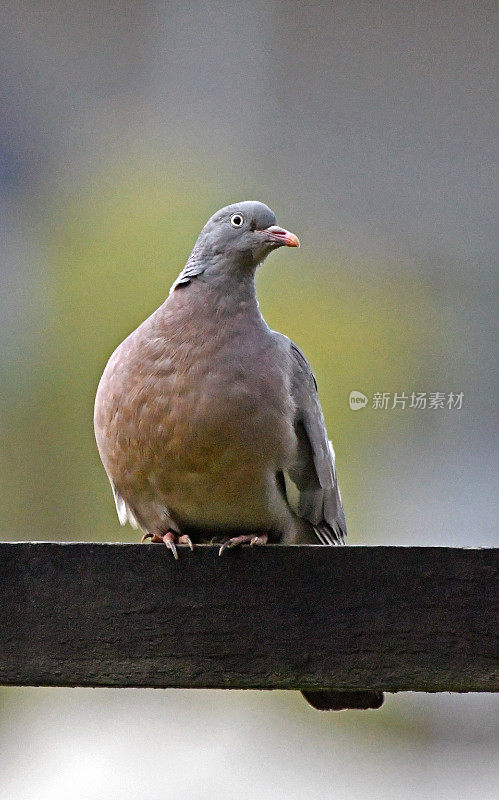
x: 328, y: 700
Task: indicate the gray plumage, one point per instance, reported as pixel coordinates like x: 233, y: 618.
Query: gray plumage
x: 208, y: 423
x: 203, y: 414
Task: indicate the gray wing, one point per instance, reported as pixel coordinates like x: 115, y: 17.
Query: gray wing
x: 314, y: 473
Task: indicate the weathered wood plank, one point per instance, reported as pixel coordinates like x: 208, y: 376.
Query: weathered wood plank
x: 392, y: 618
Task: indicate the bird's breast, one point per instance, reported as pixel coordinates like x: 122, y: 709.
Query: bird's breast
x: 208, y: 413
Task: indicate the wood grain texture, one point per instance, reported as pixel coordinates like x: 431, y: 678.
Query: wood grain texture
x: 275, y: 617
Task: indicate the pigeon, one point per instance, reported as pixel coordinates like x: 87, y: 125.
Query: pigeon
x: 208, y: 423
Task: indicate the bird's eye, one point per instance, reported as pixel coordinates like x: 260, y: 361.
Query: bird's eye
x: 237, y: 220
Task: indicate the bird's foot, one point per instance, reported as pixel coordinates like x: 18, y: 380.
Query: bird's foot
x: 171, y: 539
x: 249, y: 538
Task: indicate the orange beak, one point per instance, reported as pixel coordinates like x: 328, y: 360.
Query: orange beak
x: 283, y: 236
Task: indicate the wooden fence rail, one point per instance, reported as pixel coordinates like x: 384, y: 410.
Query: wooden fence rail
x: 275, y: 617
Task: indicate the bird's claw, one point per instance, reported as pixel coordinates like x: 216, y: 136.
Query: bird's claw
x: 184, y: 539
x: 169, y: 539
x: 249, y: 538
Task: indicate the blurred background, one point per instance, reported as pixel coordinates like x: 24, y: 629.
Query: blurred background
x: 368, y: 128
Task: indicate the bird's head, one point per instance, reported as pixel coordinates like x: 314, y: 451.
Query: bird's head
x: 243, y: 234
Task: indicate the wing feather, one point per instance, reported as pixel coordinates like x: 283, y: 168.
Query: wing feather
x: 314, y: 471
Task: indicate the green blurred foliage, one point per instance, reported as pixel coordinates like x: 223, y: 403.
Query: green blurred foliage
x: 113, y: 250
